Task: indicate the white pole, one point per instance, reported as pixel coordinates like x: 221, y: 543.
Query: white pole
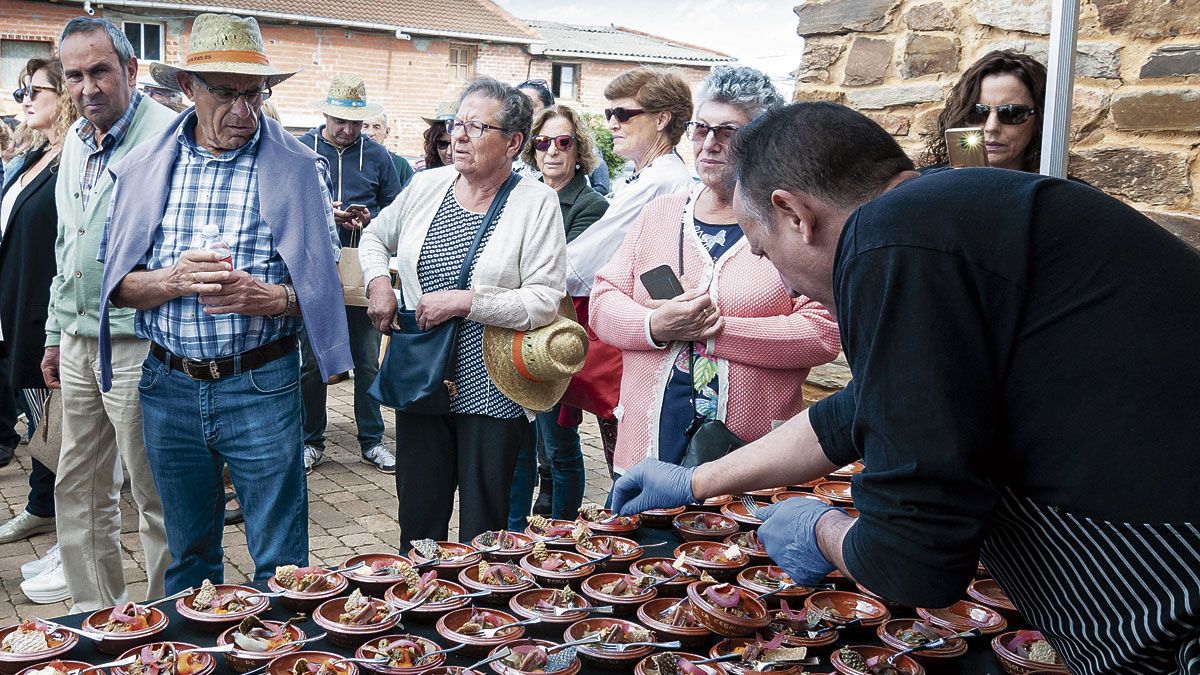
x: 1060, y: 79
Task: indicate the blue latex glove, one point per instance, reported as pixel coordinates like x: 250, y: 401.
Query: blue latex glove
x: 788, y: 533
x: 653, y: 485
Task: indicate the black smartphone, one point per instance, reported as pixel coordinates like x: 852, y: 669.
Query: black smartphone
x: 661, y: 283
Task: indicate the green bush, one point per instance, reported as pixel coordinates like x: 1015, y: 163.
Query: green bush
x: 595, y: 124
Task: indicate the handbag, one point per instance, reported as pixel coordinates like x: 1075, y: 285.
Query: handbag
x: 415, y: 374
x: 597, y: 387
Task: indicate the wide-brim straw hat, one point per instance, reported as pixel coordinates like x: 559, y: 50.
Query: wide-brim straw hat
x: 534, y: 368
x: 347, y: 100
x: 147, y: 83
x: 446, y: 110
x: 222, y: 43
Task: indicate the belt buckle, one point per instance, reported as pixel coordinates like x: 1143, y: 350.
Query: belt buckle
x: 213, y: 372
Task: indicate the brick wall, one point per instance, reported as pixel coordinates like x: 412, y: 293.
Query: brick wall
x: 1136, y: 111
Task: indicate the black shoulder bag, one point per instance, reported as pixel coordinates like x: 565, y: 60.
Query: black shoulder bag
x: 415, y: 376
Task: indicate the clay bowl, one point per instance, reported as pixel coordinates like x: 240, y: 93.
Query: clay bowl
x: 623, y: 605
x: 624, y: 551
x: 800, y: 638
x: 219, y: 622
x: 731, y: 645
x: 767, y: 493
x: 737, y: 511
x: 704, y: 526
x: 868, y: 611
x: 429, y: 612
x: 673, y: 589
x: 241, y: 660
x: 905, y: 663
x: 500, y: 593
x: 115, y: 643
x: 847, y: 472
x: 721, y: 622
x: 989, y: 594
x: 515, y: 545
x: 282, y: 665
x: 553, y: 532
x: 964, y: 615
x: 342, y: 635
x: 206, y: 661
x: 797, y: 494
x: 660, y: 517
x: 887, y: 635
x: 63, y: 667
x: 505, y: 669
x: 600, y: 658
x: 305, y: 601
x: 1018, y: 665
x: 746, y: 580
x: 620, y: 525
x: 463, y: 555
x: 835, y: 491
x: 713, y: 504
x: 648, y: 665
x: 11, y: 663
x: 474, y: 645
x: 892, y: 605
x: 427, y: 646
x: 523, y: 604
x: 697, y: 552
x: 694, y: 634
x: 748, y: 541
x: 364, y: 580
x: 554, y: 579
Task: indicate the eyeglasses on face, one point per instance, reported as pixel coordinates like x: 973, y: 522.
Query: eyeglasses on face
x: 623, y: 115
x: 699, y: 131
x: 473, y: 128
x: 1009, y: 113
x: 441, y: 144
x: 30, y: 90
x: 563, y: 143
x: 225, y: 95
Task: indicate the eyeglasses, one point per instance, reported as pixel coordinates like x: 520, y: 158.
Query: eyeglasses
x: 563, y: 143
x: 473, y: 128
x: 623, y: 115
x: 225, y: 95
x: 1009, y: 113
x: 699, y: 131
x: 533, y: 83
x: 30, y: 90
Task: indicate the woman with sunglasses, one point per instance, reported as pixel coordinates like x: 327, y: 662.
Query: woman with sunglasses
x: 735, y: 346
x: 1003, y: 93
x: 436, y: 140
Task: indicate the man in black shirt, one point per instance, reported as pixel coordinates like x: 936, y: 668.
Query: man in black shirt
x: 1026, y: 390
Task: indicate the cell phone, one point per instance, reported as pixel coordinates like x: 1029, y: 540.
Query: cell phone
x: 965, y: 147
x: 357, y: 207
x: 661, y: 283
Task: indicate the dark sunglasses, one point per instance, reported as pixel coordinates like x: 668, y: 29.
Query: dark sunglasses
x: 442, y: 143
x: 623, y: 115
x: 563, y: 143
x: 1009, y: 113
x: 699, y: 131
x: 30, y: 90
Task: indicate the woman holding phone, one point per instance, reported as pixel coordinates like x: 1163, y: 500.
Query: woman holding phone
x: 735, y: 346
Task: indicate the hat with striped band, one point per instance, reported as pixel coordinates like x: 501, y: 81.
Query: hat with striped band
x: 347, y: 100
x: 222, y: 43
x: 533, y: 368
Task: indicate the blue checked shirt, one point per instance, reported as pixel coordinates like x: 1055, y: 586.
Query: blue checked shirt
x: 224, y: 190
x: 95, y: 160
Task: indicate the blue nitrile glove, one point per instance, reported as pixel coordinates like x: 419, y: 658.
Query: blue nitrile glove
x: 653, y: 485
x: 789, y: 534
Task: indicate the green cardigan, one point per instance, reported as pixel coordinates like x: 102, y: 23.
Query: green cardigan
x: 75, y: 290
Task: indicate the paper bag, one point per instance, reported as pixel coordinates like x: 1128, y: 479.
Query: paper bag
x: 354, y: 289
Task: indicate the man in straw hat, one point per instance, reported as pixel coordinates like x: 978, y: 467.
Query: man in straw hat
x: 101, y: 427
x: 221, y: 382
x: 364, y: 180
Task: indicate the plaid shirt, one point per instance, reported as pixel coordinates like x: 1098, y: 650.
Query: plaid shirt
x: 216, y: 189
x: 95, y: 160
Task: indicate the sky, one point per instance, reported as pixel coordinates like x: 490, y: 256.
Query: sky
x: 760, y: 33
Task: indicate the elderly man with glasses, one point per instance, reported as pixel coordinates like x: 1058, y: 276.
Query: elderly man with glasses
x: 209, y: 224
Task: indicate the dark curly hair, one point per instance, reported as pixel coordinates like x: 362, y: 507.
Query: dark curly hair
x: 432, y: 158
x: 965, y: 94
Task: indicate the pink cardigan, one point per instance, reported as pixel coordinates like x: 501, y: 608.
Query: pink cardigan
x: 765, y: 350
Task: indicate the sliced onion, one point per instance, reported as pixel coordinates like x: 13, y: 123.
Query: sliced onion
x: 551, y: 563
x: 688, y: 668
x: 791, y: 614
x: 728, y: 597
x: 667, y: 569
x: 126, y: 613
x: 774, y: 643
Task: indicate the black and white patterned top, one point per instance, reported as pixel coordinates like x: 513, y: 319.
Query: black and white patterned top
x: 446, y: 245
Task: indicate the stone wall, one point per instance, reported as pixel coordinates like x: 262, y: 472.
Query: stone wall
x: 1136, y: 113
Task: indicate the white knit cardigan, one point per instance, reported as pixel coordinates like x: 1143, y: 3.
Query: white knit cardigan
x: 520, y: 276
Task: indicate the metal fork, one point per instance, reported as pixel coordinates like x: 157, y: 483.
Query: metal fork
x: 502, y: 654
x: 89, y: 634
x: 751, y: 507
x: 440, y: 651
x: 351, y: 568
x: 492, y: 632
x: 219, y: 649
x: 594, y: 561
x: 622, y: 646
x: 642, y: 547
x: 181, y: 594
x: 835, y: 627
x: 667, y: 580
x: 595, y: 609
x: 290, y: 643
x: 934, y: 644
x: 119, y: 663
x: 663, y: 614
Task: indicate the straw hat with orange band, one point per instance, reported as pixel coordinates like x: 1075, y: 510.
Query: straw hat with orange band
x: 223, y: 43
x: 534, y: 368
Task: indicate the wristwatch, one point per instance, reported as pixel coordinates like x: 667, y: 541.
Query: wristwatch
x: 291, y: 302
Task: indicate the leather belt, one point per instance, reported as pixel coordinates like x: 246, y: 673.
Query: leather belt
x: 215, y: 369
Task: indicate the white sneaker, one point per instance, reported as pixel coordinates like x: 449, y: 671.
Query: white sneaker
x: 35, y: 567
x: 312, y: 457
x: 48, y: 587
x: 381, y: 457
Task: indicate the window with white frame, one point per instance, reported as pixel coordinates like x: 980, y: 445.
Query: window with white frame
x: 565, y: 81
x: 148, y: 39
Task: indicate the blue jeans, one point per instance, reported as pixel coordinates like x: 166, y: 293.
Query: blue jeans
x: 249, y: 421
x: 364, y: 349
x: 565, y: 457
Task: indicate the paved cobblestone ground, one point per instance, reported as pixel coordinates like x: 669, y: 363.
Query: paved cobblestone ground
x: 352, y: 509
